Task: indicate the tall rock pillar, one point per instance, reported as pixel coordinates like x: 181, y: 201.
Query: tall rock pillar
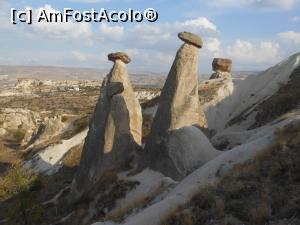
x: 115, y: 128
x: 178, y: 108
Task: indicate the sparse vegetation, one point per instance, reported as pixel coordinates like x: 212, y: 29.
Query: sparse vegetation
x: 15, y: 136
x: 259, y: 191
x: 64, y: 119
x: 18, y: 187
x: 286, y: 99
x: 54, y: 104
x: 103, y: 196
x: 140, y: 203
x: 256, y: 192
x: 282, y: 102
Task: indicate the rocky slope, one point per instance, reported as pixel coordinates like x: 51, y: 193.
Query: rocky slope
x: 246, y: 94
x: 245, y: 117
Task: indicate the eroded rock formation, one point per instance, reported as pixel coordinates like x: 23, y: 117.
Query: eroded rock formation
x: 222, y: 68
x: 115, y: 129
x: 179, y: 117
x: 18, y: 125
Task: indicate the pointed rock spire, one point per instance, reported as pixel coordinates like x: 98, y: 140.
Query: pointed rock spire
x: 178, y: 109
x: 179, y: 102
x: 115, y: 129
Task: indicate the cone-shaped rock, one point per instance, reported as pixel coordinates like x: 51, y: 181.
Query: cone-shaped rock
x: 179, y: 107
x: 115, y: 129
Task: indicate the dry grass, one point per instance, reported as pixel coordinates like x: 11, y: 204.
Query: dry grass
x: 103, y: 196
x: 18, y: 188
x: 18, y: 185
x: 56, y: 104
x: 261, y: 214
x: 8, y: 155
x: 256, y: 192
x: 283, y: 101
x: 287, y: 98
x: 15, y: 181
x: 140, y: 203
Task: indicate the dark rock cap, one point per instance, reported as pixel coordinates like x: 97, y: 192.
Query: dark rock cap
x: 191, y: 39
x: 223, y: 65
x: 119, y: 55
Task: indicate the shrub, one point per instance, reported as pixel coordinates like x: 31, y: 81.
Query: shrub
x: 64, y: 119
x: 19, y: 186
x: 18, y: 135
x: 120, y: 214
x: 261, y: 214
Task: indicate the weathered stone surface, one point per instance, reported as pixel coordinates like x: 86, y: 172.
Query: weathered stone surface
x: 119, y: 55
x: 222, y: 68
x: 115, y: 88
x: 223, y: 65
x: 188, y: 149
x: 125, y: 119
x: 19, y: 124
x: 220, y: 75
x: 114, y: 133
x: 178, y: 107
x: 191, y: 39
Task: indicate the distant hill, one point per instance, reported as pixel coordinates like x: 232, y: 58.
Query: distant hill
x: 70, y: 73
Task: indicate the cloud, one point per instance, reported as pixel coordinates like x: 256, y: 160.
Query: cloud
x: 212, y: 45
x: 163, y: 36
x: 62, y: 31
x: 290, y: 36
x: 256, y: 55
x: 200, y: 22
x: 4, y: 14
x: 158, y: 36
x: 112, y: 32
x: 80, y: 56
x: 152, y: 47
x: 147, y: 60
x: 260, y: 4
x: 295, y: 18
x: 250, y: 53
x: 273, y: 4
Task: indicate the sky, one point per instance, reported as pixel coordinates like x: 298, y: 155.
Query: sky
x: 255, y: 34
